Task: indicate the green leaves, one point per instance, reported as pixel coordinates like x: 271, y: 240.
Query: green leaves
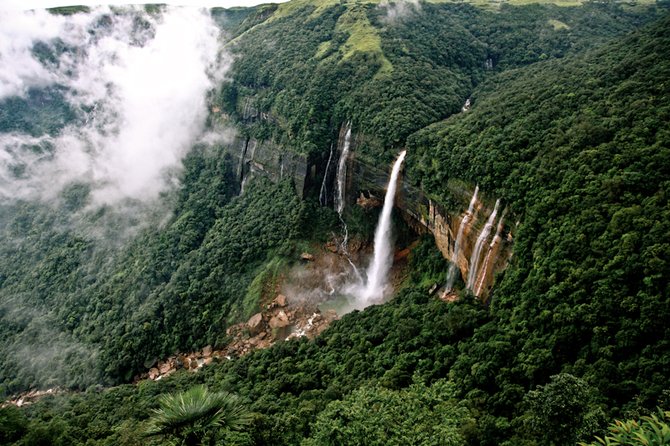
x: 652, y: 430
x: 189, y: 416
x: 375, y: 416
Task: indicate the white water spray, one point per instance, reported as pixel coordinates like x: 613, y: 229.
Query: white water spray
x: 467, y: 218
x: 476, y: 253
x: 377, y: 273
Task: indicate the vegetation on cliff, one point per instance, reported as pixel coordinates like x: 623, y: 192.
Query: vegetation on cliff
x: 572, y: 134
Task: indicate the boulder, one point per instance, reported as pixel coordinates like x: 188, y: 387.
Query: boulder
x: 255, y: 324
x: 368, y: 203
x: 280, y: 320
x: 307, y: 257
x: 164, y: 367
x: 207, y: 351
x: 153, y: 373
x: 280, y: 300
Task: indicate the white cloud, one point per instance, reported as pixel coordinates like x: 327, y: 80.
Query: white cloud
x: 40, y: 4
x: 143, y: 103
x: 399, y: 9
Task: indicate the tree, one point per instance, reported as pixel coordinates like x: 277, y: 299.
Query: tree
x: 562, y: 411
x: 375, y: 416
x: 652, y: 430
x: 192, y: 417
x: 13, y: 424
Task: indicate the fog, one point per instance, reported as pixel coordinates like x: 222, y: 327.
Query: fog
x: 135, y: 86
x: 138, y: 85
x: 399, y: 9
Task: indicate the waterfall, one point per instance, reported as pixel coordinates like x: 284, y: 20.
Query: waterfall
x: 342, y: 171
x: 490, y: 255
x: 341, y: 185
x: 467, y: 219
x: 323, y: 193
x: 383, y: 249
x: 476, y: 253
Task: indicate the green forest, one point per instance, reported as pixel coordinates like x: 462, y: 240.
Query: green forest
x: 569, y: 126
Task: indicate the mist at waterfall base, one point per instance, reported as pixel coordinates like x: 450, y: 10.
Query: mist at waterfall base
x: 337, y: 284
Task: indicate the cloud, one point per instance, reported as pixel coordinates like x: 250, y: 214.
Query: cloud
x: 138, y: 84
x: 41, y: 4
x: 400, y: 9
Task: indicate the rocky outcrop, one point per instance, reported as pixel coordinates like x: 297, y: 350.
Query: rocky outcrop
x: 30, y: 397
x: 266, y: 158
x: 367, y: 184
x: 276, y: 322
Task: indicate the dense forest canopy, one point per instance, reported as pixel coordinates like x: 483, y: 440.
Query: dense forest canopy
x: 569, y: 126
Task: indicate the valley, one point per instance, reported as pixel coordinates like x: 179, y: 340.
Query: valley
x: 430, y: 223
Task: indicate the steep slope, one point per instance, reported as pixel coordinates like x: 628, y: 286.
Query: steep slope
x: 575, y: 333
x: 579, y: 150
x: 392, y: 68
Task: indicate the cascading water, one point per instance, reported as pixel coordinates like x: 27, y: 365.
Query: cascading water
x: 341, y: 186
x: 476, y: 253
x: 342, y: 171
x: 377, y: 273
x: 490, y: 255
x: 467, y: 219
x: 323, y: 193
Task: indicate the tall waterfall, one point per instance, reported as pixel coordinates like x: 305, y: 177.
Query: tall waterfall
x: 490, y: 256
x: 467, y: 219
x: 342, y: 171
x: 476, y: 253
x: 323, y: 193
x: 377, y: 273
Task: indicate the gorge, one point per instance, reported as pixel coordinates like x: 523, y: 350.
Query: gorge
x: 348, y: 252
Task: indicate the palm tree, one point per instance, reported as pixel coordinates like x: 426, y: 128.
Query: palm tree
x: 187, y: 417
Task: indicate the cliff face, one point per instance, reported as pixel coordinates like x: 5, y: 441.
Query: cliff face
x: 425, y: 215
x: 265, y: 158
x: 365, y: 184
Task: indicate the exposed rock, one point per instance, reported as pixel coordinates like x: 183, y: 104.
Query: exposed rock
x: 449, y: 296
x: 368, y: 203
x: 30, y: 397
x: 164, y: 367
x: 255, y: 324
x: 153, y: 373
x: 403, y: 253
x: 181, y: 362
x: 207, y: 351
x: 279, y: 321
x: 280, y: 300
x: 307, y: 257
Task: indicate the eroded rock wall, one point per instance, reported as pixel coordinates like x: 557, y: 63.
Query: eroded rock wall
x: 265, y: 158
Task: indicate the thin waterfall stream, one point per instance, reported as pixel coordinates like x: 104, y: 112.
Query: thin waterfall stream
x: 490, y: 255
x: 341, y: 186
x: 323, y: 193
x: 476, y: 253
x: 465, y: 222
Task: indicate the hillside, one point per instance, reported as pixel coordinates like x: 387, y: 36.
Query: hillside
x: 567, y: 126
